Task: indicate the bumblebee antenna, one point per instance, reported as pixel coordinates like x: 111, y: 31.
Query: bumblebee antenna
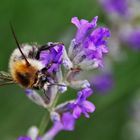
x: 17, y: 43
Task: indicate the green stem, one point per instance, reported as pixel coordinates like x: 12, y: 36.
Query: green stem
x: 44, y: 123
x: 55, y: 101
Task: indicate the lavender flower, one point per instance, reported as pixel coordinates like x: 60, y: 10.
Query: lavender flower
x: 119, y: 7
x: 85, y: 53
x: 132, y: 38
x: 87, y: 48
x: 81, y: 105
x: 66, y: 122
x: 102, y: 83
x: 52, y: 58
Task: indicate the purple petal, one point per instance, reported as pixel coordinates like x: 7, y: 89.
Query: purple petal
x: 99, y: 35
x: 89, y: 106
x: 83, y: 28
x: 96, y: 45
x: 68, y: 121
x: 94, y: 21
x: 52, y: 56
x: 84, y: 93
x: 86, y: 114
x: 54, y: 130
x: 45, y: 57
x: 75, y: 21
x: 77, y: 112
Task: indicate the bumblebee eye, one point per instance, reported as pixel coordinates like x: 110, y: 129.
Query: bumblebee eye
x: 24, y: 78
x: 44, y: 70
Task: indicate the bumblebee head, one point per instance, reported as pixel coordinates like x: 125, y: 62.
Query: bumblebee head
x: 24, y: 75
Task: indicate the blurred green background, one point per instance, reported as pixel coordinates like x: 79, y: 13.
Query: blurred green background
x: 42, y: 21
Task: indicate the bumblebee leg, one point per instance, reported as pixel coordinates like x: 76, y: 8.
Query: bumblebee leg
x: 46, y: 97
x: 47, y: 46
x: 50, y: 92
x: 45, y: 69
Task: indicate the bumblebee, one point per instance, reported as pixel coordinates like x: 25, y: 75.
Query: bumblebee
x: 25, y: 68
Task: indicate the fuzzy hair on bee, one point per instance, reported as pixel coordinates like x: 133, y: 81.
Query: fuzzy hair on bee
x: 24, y: 66
x: 24, y: 72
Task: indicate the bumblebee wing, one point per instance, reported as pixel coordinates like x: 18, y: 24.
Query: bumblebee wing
x: 5, y: 78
